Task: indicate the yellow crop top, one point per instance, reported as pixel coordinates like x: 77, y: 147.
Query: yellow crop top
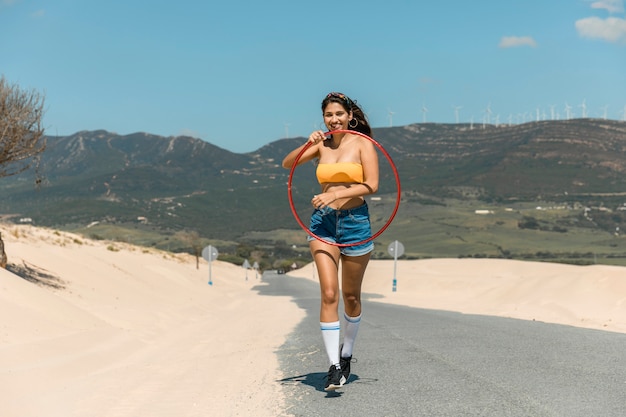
x: 340, y: 172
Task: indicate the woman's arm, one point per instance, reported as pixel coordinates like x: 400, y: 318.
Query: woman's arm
x: 308, y: 155
x: 312, y: 152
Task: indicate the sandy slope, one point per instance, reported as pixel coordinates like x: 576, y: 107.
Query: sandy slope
x: 134, y: 333
x: 583, y: 296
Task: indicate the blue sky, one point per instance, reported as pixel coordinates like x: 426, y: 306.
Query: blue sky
x: 240, y: 74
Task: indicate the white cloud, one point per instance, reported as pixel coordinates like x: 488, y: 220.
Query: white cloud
x: 611, y: 29
x: 515, y: 41
x: 38, y: 13
x: 613, y: 6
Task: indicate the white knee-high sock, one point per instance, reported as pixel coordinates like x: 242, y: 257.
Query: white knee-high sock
x: 330, y: 334
x: 352, y: 328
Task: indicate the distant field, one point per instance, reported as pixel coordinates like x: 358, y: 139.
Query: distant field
x: 456, y: 230
x: 444, y: 229
x: 453, y: 229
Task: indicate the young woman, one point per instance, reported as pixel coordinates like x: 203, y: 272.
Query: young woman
x: 347, y: 171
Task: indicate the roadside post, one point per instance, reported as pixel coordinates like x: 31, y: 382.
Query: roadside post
x: 395, y: 249
x: 210, y: 253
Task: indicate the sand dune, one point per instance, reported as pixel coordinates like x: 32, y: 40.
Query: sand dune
x: 133, y: 332
x: 583, y: 296
x: 116, y: 330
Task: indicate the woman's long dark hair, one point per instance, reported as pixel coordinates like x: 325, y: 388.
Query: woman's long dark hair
x: 350, y: 105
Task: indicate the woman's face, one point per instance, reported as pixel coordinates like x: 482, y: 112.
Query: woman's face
x: 336, y: 117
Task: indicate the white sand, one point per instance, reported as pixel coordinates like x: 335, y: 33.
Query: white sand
x: 135, y: 333
x: 138, y: 332
x: 583, y: 296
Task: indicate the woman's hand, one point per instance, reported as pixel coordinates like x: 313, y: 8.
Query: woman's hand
x: 317, y: 137
x: 323, y: 200
x: 311, y: 153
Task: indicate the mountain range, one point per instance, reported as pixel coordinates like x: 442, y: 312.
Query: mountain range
x: 184, y: 183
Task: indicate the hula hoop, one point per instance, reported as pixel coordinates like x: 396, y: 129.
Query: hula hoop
x: 395, y: 173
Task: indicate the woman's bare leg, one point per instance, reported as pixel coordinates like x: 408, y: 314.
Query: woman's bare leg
x: 353, y: 271
x: 327, y: 262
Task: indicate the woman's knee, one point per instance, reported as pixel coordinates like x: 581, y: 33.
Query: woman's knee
x: 352, y: 299
x: 330, y: 296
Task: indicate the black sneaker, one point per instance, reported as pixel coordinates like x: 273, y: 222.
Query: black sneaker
x: 345, y: 367
x: 345, y: 364
x: 335, y: 379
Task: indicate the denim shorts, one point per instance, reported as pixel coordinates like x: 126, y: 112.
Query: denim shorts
x: 343, y: 226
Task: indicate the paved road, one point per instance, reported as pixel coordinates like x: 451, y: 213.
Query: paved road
x: 415, y: 362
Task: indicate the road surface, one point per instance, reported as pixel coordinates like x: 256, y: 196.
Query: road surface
x: 417, y: 362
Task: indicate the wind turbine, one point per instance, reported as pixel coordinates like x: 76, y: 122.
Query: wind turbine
x: 424, y: 111
x: 568, y: 111
x: 604, y: 113
x: 286, y: 130
x: 623, y: 112
x: 584, y: 107
x: 456, y: 113
x: 552, y: 112
x: 488, y: 114
x: 390, y: 117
